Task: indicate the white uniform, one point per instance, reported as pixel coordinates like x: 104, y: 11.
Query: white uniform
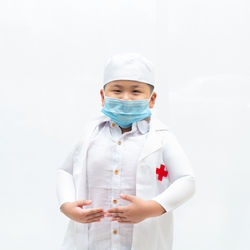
x: 163, y: 174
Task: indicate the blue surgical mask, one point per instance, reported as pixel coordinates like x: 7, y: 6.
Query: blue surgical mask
x: 126, y: 112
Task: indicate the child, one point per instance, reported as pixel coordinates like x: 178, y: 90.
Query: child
x: 122, y: 181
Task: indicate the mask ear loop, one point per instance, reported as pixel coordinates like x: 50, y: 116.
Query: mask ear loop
x: 104, y: 92
x: 150, y: 96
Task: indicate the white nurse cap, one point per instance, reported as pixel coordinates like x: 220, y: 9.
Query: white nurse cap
x: 129, y: 66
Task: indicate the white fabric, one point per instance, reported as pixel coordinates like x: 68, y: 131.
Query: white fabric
x: 104, y: 156
x: 161, y: 147
x: 129, y: 66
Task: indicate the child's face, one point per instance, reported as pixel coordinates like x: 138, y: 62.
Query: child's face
x: 128, y: 90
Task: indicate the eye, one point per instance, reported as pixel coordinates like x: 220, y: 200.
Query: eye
x: 136, y: 91
x: 117, y: 90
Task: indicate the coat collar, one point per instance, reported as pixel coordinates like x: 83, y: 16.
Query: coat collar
x: 155, y: 123
x: 154, y: 140
x: 141, y: 126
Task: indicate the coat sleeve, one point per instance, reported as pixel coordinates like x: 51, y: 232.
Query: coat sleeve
x: 180, y: 173
x: 65, y: 187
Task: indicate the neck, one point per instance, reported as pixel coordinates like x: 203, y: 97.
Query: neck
x: 126, y: 129
x: 129, y: 128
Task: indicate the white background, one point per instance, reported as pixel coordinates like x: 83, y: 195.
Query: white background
x: 52, y: 55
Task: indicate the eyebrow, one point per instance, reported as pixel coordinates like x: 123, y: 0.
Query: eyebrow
x: 136, y: 86
x: 116, y: 86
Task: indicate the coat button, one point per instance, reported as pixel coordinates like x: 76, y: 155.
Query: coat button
x: 113, y: 124
x: 119, y: 142
x: 114, y: 201
x: 114, y: 231
x: 116, y: 171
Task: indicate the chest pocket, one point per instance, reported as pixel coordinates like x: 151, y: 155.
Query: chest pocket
x: 153, y: 173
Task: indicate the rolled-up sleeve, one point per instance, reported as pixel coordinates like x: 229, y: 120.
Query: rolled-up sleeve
x: 180, y: 174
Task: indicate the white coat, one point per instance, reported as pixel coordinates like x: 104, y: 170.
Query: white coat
x: 161, y: 147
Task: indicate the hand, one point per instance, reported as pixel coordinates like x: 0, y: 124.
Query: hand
x: 75, y: 211
x: 136, y: 211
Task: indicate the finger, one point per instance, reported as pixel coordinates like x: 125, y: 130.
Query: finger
x: 91, y: 214
x: 94, y: 217
x: 115, y: 214
x: 85, y: 217
x: 94, y: 220
x: 83, y: 202
x: 115, y: 218
x: 128, y: 197
x: 93, y: 210
x: 116, y: 209
x: 125, y: 221
x: 85, y: 213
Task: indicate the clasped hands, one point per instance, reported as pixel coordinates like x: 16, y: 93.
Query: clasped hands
x: 134, y: 212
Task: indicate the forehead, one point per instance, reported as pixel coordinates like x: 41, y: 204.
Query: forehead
x: 127, y: 84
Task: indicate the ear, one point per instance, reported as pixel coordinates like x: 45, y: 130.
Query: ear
x: 152, y: 100
x: 102, y: 96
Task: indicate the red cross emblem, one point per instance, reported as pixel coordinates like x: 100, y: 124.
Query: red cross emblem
x: 161, y: 172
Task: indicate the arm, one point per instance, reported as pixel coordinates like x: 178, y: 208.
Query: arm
x: 65, y: 187
x: 180, y: 174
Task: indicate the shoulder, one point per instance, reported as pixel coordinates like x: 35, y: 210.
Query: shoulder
x: 94, y: 123
x: 89, y: 129
x: 158, y: 127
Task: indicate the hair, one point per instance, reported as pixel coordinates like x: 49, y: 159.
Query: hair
x: 150, y: 86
